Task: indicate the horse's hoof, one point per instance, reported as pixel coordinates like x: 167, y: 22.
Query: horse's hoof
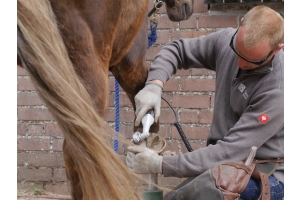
x: 156, y: 142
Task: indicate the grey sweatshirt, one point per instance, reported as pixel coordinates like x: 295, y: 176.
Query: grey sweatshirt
x: 248, y: 110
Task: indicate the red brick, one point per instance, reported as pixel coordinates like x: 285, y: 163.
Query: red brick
x: 59, y: 175
x: 21, y: 71
x: 53, y: 130
x: 109, y: 116
x: 217, y: 21
x: 278, y: 7
x: 57, y: 144
x: 126, y: 130
x: 206, y: 116
x: 199, y: 72
x: 45, y: 160
x: 124, y: 101
x: 199, y: 145
x: 190, y: 23
x: 28, y: 187
x: 164, y: 131
x: 25, y: 83
x: 200, y: 7
x: 190, y: 101
x: 212, y: 73
x: 127, y: 116
x: 198, y: 85
x: 191, y: 133
x: 212, y: 101
x: 29, y: 99
x: 189, y: 117
x: 152, y: 52
x: 61, y: 189
x: 35, y: 129
x: 193, y: 145
x: 168, y: 98
x: 34, y: 144
x: 183, y: 72
x: 167, y: 116
x: 21, y: 129
x: 162, y: 37
x: 111, y: 84
x: 176, y: 35
x: 172, y: 146
x: 39, y: 114
x: 212, y: 31
x: 165, y: 23
x: 150, y: 5
x: 35, y: 174
x: 21, y: 158
x: 171, y: 85
x: 111, y: 99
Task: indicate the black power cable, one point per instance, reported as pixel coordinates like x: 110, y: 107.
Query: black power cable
x: 179, y: 129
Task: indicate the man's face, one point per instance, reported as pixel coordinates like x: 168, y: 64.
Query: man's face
x: 248, y: 59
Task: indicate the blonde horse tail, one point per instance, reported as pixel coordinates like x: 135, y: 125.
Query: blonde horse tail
x: 102, y: 174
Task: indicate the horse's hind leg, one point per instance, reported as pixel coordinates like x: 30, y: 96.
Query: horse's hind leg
x: 79, y: 41
x: 72, y: 174
x: 92, y: 70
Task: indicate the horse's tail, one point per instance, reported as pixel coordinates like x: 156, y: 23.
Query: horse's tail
x: 101, y: 172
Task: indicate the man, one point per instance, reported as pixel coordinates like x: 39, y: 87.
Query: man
x: 248, y: 110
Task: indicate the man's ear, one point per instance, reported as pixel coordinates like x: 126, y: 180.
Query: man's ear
x: 242, y: 19
x: 279, y: 46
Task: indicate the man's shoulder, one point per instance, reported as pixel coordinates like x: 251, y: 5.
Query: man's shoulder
x: 221, y: 38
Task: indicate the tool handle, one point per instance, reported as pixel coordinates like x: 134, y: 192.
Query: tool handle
x: 151, y: 112
x: 251, y: 156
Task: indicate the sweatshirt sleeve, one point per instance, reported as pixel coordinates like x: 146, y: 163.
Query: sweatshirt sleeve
x: 260, y: 125
x: 185, y: 53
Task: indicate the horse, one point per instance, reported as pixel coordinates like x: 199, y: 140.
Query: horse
x: 68, y: 48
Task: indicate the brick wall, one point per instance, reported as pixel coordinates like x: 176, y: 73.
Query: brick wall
x: 190, y: 92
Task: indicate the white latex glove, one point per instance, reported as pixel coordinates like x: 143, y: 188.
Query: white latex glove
x: 146, y: 99
x: 142, y: 160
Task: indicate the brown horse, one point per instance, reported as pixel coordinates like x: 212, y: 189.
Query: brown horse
x: 68, y: 47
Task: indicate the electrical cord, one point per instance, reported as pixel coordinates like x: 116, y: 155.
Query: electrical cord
x: 179, y: 129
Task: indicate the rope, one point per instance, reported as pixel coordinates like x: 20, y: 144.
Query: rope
x: 117, y: 116
x: 152, y: 36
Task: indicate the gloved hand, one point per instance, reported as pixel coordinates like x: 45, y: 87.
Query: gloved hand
x: 146, y: 99
x: 142, y: 160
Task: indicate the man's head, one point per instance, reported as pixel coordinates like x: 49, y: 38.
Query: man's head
x: 259, y: 37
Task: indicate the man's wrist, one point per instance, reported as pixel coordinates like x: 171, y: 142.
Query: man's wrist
x: 156, y: 164
x: 158, y: 82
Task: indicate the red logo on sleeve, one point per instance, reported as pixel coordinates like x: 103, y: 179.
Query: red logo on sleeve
x: 263, y: 118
